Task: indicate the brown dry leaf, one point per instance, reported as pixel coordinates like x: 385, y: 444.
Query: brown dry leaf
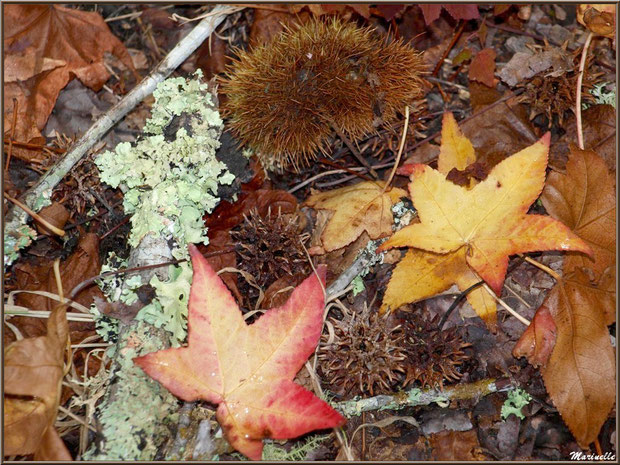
x: 584, y: 199
x: 361, y: 207
x: 460, y: 11
x: 458, y: 446
x: 227, y: 215
x: 33, y: 372
x: 524, y: 65
x: 84, y: 263
x: 212, y: 57
x: 599, y: 134
x: 55, y: 214
x: 46, y: 35
x: 482, y: 67
x: 600, y: 18
x: 580, y: 374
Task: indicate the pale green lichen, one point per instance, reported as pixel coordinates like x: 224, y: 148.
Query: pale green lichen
x: 169, y: 310
x: 15, y: 241
x: 604, y: 94
x: 515, y: 401
x: 170, y: 179
x: 171, y: 182
x: 135, y: 427
x: 357, y: 285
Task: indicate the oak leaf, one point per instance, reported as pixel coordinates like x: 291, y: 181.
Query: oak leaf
x: 33, y: 373
x: 47, y: 46
x: 580, y: 374
x: 246, y: 370
x: 490, y: 220
x: 584, y: 199
x: 365, y: 206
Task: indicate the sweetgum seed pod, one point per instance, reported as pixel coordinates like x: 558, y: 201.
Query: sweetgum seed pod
x: 285, y: 98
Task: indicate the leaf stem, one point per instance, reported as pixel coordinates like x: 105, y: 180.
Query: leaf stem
x: 35, y: 216
x: 400, y: 149
x: 582, y: 65
x: 545, y: 268
x: 507, y: 307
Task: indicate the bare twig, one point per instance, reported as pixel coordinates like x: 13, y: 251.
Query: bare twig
x: 582, y: 70
x: 15, y: 218
x: 507, y: 307
x: 400, y: 149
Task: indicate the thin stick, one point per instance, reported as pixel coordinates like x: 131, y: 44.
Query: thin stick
x: 523, y: 320
x: 450, y: 46
x: 545, y: 268
x: 400, y: 148
x: 35, y: 216
x: 15, y: 218
x: 10, y: 151
x: 16, y: 143
x: 582, y: 66
x: 354, y: 151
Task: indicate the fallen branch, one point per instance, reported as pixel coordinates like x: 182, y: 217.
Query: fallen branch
x: 44, y: 186
x: 415, y: 397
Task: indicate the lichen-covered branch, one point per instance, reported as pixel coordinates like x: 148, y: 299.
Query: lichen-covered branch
x: 170, y: 178
x: 38, y: 195
x: 415, y: 397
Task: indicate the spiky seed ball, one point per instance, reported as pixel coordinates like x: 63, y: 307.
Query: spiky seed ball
x: 270, y: 247
x: 434, y: 354
x: 285, y: 97
x: 366, y: 355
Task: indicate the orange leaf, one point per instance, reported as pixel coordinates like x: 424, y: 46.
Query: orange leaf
x: 490, y: 220
x: 246, y: 370
x: 357, y: 208
x: 580, y: 374
x: 584, y: 199
x: 420, y: 275
x: 538, y: 340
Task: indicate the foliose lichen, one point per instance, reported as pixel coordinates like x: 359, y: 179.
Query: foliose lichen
x: 135, y: 428
x: 515, y: 401
x: 171, y: 181
x: 15, y: 241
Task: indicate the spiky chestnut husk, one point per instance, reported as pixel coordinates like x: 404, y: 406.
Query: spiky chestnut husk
x: 553, y: 96
x: 366, y: 355
x: 270, y: 247
x: 285, y: 97
x: 434, y: 355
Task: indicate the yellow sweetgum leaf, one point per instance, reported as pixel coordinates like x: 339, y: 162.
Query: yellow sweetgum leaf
x: 420, y: 274
x: 357, y: 208
x: 456, y: 150
x: 489, y: 221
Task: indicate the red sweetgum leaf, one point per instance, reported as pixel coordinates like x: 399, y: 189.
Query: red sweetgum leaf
x: 247, y: 371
